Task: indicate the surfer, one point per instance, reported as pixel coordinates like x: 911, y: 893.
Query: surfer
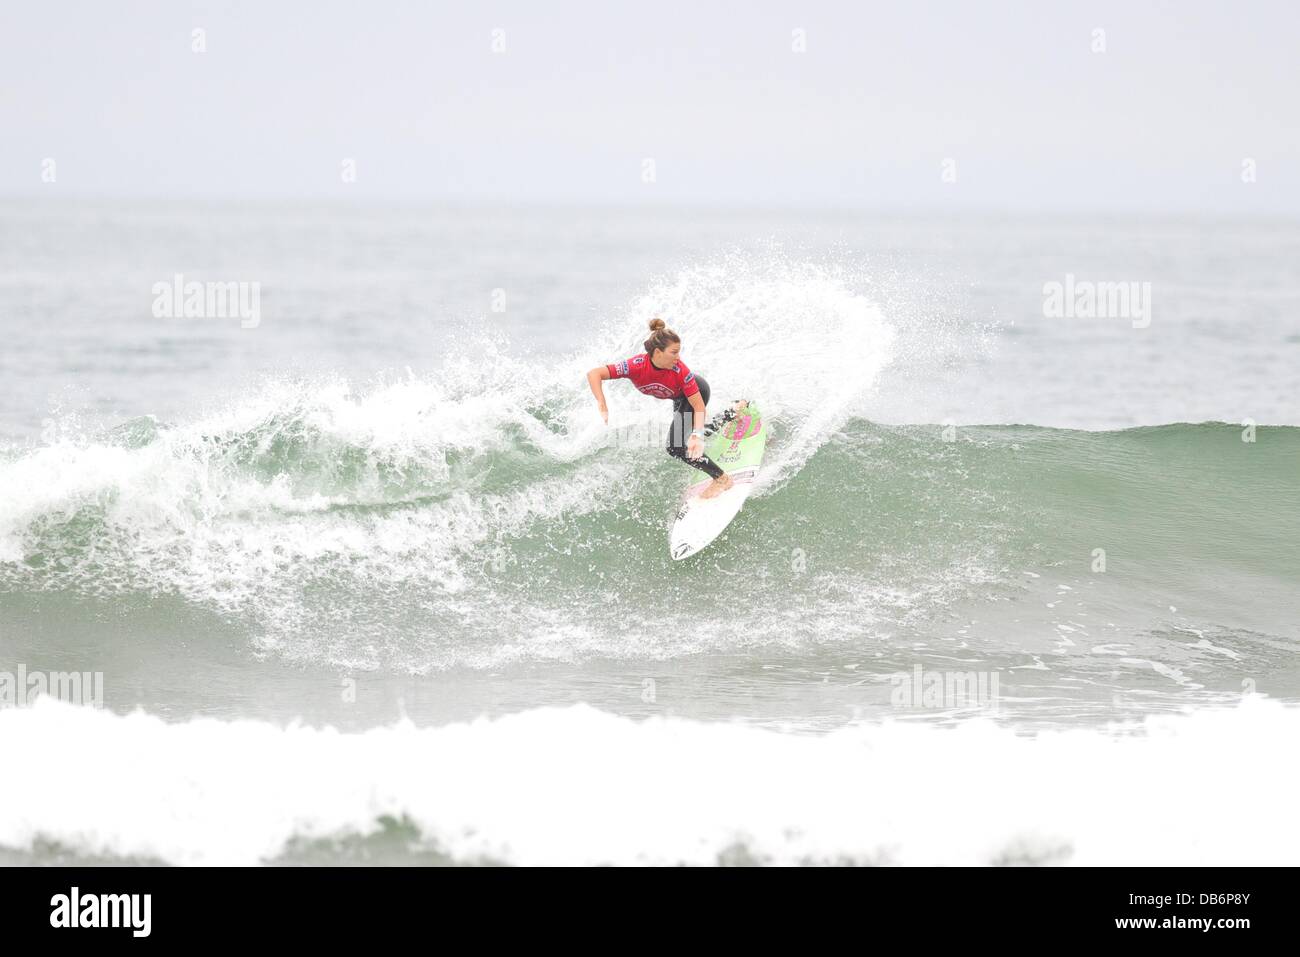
x: 660, y: 373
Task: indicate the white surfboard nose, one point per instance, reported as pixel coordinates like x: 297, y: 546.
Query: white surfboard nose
x: 700, y: 520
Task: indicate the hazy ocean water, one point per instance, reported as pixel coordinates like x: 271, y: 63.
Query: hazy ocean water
x: 392, y: 501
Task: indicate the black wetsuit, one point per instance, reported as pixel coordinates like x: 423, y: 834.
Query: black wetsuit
x: 680, y: 430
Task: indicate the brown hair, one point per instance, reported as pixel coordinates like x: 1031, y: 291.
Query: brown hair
x: 660, y: 337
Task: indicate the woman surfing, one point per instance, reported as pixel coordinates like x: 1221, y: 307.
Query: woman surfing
x: 660, y: 373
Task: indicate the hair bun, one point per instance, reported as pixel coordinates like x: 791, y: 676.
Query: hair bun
x: 657, y: 324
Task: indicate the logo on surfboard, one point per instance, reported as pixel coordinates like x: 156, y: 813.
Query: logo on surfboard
x: 742, y: 427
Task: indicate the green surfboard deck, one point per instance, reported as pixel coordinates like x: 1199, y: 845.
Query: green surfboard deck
x: 740, y: 443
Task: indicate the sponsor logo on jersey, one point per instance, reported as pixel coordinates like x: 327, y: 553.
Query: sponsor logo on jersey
x: 689, y: 378
x: 622, y: 367
x: 657, y: 389
x: 636, y: 360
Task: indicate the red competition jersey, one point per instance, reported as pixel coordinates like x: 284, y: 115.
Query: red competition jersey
x: 660, y: 383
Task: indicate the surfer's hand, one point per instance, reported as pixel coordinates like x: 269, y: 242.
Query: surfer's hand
x: 604, y: 412
x: 694, y: 447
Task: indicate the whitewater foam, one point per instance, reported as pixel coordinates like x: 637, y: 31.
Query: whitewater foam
x: 578, y: 786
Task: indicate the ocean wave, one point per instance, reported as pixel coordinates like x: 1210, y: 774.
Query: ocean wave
x: 481, y: 515
x: 878, y: 527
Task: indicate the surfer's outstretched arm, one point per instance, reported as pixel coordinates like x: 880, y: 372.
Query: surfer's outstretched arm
x: 594, y: 379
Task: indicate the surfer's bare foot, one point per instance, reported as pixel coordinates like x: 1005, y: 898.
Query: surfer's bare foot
x: 717, y: 486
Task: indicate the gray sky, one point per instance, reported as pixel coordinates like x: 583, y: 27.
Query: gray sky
x: 711, y: 92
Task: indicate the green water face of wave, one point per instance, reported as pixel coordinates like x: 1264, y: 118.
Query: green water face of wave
x: 883, y: 533
x: 1156, y: 501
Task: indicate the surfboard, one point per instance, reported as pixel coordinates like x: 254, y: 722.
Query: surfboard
x: 737, y: 445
